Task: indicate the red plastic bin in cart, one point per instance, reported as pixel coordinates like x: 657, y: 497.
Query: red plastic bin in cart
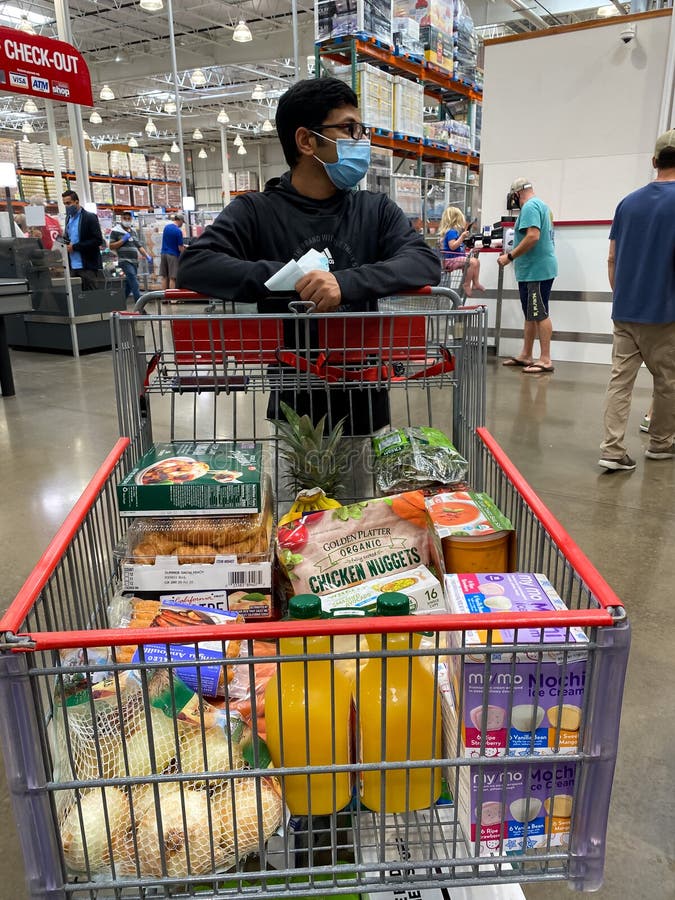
x: 131, y: 775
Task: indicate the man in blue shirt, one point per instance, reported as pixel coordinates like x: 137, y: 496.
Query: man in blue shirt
x: 641, y: 268
x: 534, y: 260
x: 83, y: 239
x: 172, y: 247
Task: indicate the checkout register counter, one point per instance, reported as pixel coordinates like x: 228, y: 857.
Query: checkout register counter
x: 48, y: 325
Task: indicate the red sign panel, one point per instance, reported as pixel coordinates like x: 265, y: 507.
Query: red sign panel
x: 43, y: 67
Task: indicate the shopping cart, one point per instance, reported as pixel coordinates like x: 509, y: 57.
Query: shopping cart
x: 223, y: 830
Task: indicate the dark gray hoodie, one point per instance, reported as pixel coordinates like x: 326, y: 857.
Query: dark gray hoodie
x: 374, y: 250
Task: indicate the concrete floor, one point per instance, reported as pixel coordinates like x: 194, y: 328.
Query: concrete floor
x: 61, y: 423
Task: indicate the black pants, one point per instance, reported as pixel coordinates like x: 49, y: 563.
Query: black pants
x: 88, y: 277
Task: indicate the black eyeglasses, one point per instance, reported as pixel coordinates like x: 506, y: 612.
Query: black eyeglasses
x: 356, y: 130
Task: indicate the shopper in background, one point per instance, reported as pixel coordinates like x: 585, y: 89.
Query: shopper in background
x: 534, y: 260
x: 452, y: 232
x: 643, y: 310
x: 83, y: 239
x: 125, y: 242
x: 172, y: 247
x: 52, y: 227
x: 370, y: 248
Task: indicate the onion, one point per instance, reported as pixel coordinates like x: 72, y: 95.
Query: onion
x: 179, y: 837
x: 92, y: 834
x: 163, y: 739
x: 217, y: 745
x: 244, y: 817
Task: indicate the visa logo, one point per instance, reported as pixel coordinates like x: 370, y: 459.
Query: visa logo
x: 18, y: 80
x: 39, y: 84
x: 60, y: 90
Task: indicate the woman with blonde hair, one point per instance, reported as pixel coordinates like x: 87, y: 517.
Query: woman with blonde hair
x: 452, y: 232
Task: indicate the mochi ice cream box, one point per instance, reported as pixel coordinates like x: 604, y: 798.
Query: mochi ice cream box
x: 525, y: 693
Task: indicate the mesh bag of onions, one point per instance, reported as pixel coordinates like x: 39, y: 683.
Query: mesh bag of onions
x: 207, y: 811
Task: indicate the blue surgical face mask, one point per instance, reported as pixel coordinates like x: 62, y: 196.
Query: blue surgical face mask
x: 71, y: 211
x: 352, y: 162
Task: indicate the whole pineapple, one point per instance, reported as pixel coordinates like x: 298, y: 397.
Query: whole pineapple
x: 313, y: 460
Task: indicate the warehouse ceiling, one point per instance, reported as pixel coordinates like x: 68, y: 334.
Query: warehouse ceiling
x: 128, y: 49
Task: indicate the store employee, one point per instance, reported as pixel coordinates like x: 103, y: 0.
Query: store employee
x: 84, y: 240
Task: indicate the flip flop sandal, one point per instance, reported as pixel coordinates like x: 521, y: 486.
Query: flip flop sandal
x: 513, y: 361
x: 538, y: 369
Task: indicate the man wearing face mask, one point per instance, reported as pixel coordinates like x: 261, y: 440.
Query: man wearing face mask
x: 124, y: 241
x: 83, y: 239
x: 372, y: 250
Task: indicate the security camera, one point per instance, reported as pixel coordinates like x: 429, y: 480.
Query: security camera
x: 627, y: 34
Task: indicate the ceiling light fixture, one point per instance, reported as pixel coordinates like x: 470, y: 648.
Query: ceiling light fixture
x: 166, y: 157
x: 242, y: 151
x: 150, y: 127
x: 267, y: 125
x: 198, y: 78
x: 175, y: 148
x: 30, y: 106
x: 223, y: 118
x: 132, y: 142
x: 27, y: 128
x: 95, y: 118
x: 258, y: 93
x: 242, y: 33
x: 120, y: 56
x: 25, y: 139
x: 26, y: 26
x: 170, y: 107
x: 107, y: 93
x: 202, y: 154
x: 152, y: 5
x: 238, y: 141
x: 197, y: 135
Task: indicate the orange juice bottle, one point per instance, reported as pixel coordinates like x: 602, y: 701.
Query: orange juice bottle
x: 398, y: 694
x: 307, y: 710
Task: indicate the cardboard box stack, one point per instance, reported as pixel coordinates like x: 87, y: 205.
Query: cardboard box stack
x: 122, y: 194
x: 138, y: 165
x: 52, y: 190
x: 158, y: 195
x: 172, y: 171
x: 32, y: 185
x: 8, y: 150
x: 101, y: 193
x: 246, y: 180
x: 435, y: 22
x: 174, y: 198
x: 29, y: 156
x: 140, y: 195
x: 98, y: 162
x: 48, y: 160
x: 156, y: 170
x: 465, y: 44
x: 374, y: 17
x: 408, y: 107
x: 119, y: 164
x: 503, y: 703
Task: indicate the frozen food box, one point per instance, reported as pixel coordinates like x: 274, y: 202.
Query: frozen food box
x: 475, y: 535
x: 195, y: 477
x: 526, y: 699
x: 423, y: 589
x: 522, y: 805
x: 333, y: 549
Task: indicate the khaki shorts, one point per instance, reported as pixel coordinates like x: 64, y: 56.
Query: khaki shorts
x: 168, y: 266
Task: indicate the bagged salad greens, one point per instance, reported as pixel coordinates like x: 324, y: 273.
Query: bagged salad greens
x: 417, y: 457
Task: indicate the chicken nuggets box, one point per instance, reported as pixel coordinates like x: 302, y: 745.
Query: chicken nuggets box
x: 510, y: 701
x: 195, y: 477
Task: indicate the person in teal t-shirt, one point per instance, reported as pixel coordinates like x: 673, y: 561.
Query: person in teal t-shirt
x: 535, y: 264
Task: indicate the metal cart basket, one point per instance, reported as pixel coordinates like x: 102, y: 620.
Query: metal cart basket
x: 128, y: 783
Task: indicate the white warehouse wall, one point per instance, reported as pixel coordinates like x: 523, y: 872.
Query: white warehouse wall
x: 577, y: 113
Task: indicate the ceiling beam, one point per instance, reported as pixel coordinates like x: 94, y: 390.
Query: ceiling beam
x: 225, y: 53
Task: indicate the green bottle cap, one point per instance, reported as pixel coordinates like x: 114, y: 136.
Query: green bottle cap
x: 304, y: 606
x: 393, y: 604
